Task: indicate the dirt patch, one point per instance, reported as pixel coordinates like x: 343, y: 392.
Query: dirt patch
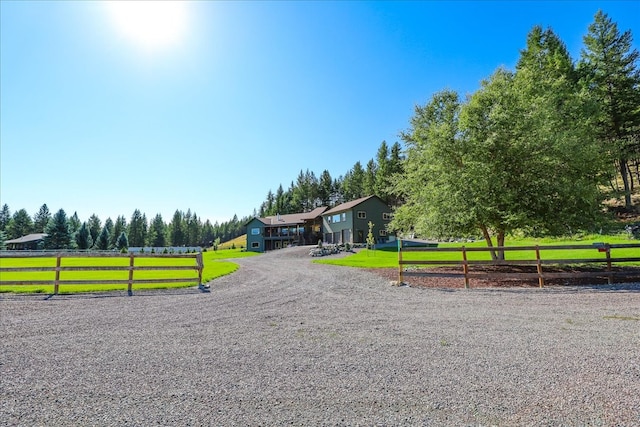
x: 631, y: 274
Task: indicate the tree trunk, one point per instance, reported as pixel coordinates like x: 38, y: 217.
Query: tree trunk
x: 501, y: 243
x: 624, y: 171
x: 487, y: 238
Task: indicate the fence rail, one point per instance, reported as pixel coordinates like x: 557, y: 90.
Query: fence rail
x: 131, y: 268
x: 607, y: 262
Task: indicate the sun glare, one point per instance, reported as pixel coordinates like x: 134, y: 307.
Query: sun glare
x: 150, y: 25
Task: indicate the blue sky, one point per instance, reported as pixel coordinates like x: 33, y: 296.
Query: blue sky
x: 105, y: 113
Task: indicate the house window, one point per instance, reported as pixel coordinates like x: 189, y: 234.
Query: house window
x: 386, y: 216
x: 336, y: 218
x: 383, y: 232
x: 255, y: 245
x: 255, y: 231
x: 362, y: 215
x: 344, y: 217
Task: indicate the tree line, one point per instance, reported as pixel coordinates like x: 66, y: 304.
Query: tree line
x: 69, y: 232
x: 309, y: 191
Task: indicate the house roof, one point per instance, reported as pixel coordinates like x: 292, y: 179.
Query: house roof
x: 28, y: 238
x: 293, y: 219
x: 349, y: 205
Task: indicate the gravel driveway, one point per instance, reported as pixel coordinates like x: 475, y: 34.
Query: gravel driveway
x: 285, y: 341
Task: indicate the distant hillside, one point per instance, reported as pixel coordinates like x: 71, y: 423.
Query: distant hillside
x: 239, y: 242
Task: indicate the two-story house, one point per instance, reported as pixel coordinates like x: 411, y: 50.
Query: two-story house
x: 349, y: 222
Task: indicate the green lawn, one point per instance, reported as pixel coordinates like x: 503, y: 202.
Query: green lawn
x: 388, y: 257
x: 215, y: 265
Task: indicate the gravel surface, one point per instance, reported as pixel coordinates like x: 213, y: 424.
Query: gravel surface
x: 285, y: 341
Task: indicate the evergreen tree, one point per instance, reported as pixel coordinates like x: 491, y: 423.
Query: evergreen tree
x: 122, y: 243
x: 208, y: 235
x: 157, y: 232
x: 108, y: 224
x: 58, y: 232
x: 3, y: 239
x: 609, y: 71
x: 383, y: 173
x: 353, y: 183
x: 369, y: 187
x: 325, y: 188
x: 74, y: 223
x: 176, y: 230
x: 83, y: 237
x: 41, y: 219
x: 95, y: 226
x: 102, y: 243
x: 119, y: 227
x: 5, y: 217
x: 20, y: 225
x: 137, y: 229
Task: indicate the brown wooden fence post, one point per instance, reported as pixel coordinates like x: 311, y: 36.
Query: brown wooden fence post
x: 200, y: 267
x: 400, y: 267
x: 539, y: 267
x: 56, y: 284
x: 465, y: 268
x: 607, y: 248
x: 130, y: 285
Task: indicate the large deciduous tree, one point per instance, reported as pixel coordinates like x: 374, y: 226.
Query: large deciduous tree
x: 518, y: 155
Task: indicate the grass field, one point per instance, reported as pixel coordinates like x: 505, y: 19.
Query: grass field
x: 388, y: 257
x: 215, y: 265
x: 239, y: 242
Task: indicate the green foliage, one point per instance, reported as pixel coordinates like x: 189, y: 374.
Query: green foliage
x: 609, y: 73
x: 371, y: 240
x: 41, y: 219
x: 19, y: 225
x: 5, y: 217
x: 83, y: 237
x: 518, y: 155
x: 122, y: 244
x: 102, y: 243
x: 95, y: 226
x: 58, y: 232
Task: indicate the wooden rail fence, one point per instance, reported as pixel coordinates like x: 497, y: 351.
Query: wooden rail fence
x: 606, y: 262
x: 131, y: 268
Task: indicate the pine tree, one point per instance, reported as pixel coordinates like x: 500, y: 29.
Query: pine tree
x: 137, y: 229
x: 74, y: 223
x: 122, y: 243
x: 19, y: 225
x: 83, y: 237
x: 119, y: 227
x: 58, y: 232
x: 95, y: 226
x: 5, y: 217
x: 41, y: 219
x: 176, y: 230
x: 609, y: 71
x: 157, y: 232
x: 102, y: 243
